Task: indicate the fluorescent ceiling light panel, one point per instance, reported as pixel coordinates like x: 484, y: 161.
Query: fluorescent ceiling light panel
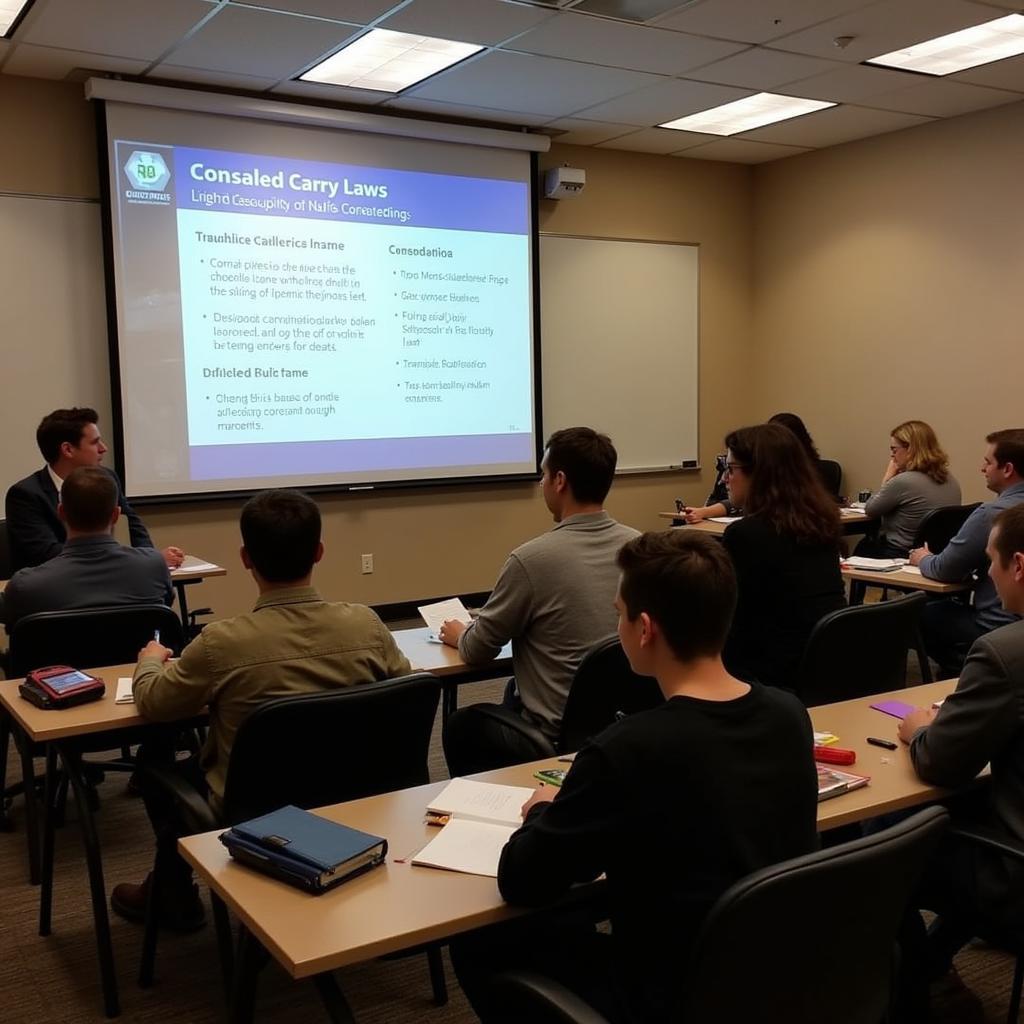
x: 388, y: 61
x: 746, y: 114
x: 981, y: 44
x: 9, y: 11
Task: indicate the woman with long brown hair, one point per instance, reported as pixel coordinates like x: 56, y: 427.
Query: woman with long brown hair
x: 785, y: 549
x: 916, y: 481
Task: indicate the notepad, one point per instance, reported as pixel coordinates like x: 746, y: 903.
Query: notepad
x: 481, y: 801
x: 437, y: 614
x: 124, y: 693
x: 195, y: 565
x: 472, y: 847
x: 724, y: 519
x: 874, y: 564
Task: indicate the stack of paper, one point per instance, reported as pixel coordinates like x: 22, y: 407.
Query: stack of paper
x: 874, y: 564
x: 437, y: 614
x: 124, y: 693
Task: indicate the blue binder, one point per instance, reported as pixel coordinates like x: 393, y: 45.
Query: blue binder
x: 304, y: 849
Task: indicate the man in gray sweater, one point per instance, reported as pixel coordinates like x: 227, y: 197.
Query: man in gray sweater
x: 554, y: 598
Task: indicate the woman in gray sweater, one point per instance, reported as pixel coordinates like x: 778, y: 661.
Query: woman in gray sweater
x: 916, y: 481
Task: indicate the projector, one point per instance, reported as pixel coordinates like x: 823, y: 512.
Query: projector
x: 564, y: 182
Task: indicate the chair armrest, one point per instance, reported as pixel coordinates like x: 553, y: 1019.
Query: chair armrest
x: 988, y: 839
x: 546, y: 1000
x: 513, y: 720
x: 193, y: 811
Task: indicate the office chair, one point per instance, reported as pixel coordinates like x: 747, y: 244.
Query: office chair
x: 84, y: 638
x: 860, y: 650
x: 761, y: 954
x: 831, y: 475
x: 483, y: 737
x: 310, y: 750
x: 940, y: 525
x: 5, y: 551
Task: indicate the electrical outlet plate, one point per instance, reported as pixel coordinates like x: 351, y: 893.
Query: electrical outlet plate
x: 367, y: 564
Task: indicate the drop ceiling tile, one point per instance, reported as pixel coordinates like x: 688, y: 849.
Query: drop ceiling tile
x: 249, y: 41
x: 833, y: 126
x: 576, y: 131
x: 486, y: 22
x: 655, y: 140
x: 663, y: 101
x: 851, y: 83
x: 754, y: 21
x: 1003, y: 74
x: 339, y: 94
x: 762, y: 69
x: 885, y: 26
x: 359, y: 12
x: 742, y: 151
x: 253, y: 83
x: 137, y: 29
x: 614, y: 44
x: 459, y: 110
x: 50, y: 62
x: 531, y: 85
x: 941, y: 98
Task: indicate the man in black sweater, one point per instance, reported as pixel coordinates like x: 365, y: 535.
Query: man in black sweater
x: 673, y: 805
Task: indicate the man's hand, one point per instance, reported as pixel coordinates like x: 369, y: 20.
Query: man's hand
x: 173, y: 557
x: 541, y: 795
x: 915, y: 720
x: 917, y: 554
x: 450, y: 631
x: 694, y: 515
x: 155, y: 649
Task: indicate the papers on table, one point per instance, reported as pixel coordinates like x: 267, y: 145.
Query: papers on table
x: 874, y: 564
x: 124, y: 691
x: 913, y: 569
x: 824, y: 739
x: 472, y: 847
x: 192, y: 564
x: 481, y: 801
x: 435, y: 615
x: 853, y: 512
x: 723, y: 519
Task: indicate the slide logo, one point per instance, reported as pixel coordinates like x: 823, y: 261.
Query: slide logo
x: 148, y: 174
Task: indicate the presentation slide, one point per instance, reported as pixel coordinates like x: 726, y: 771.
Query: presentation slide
x: 289, y: 320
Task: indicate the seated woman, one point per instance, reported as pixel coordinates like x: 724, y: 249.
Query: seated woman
x: 785, y: 550
x: 916, y: 481
x: 718, y: 502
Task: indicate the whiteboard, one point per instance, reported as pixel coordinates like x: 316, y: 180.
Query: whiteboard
x: 53, y: 322
x: 619, y: 337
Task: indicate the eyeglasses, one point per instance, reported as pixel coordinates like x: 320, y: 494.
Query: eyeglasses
x: 731, y: 467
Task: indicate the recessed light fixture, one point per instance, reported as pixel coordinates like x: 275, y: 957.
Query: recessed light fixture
x: 746, y: 114
x: 388, y: 61
x: 10, y: 12
x: 980, y: 44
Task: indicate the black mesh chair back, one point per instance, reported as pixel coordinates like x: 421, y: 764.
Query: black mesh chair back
x: 330, y: 746
x: 859, y: 650
x: 5, y: 551
x: 831, y: 475
x: 762, y: 953
x: 603, y: 690
x: 940, y: 525
x: 90, y: 637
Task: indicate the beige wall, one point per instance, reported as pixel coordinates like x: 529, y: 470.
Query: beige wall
x: 438, y: 541
x: 888, y: 282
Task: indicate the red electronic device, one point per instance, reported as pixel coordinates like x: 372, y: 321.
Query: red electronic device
x: 834, y: 755
x: 61, y: 686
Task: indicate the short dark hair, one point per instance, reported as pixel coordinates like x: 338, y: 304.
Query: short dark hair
x: 791, y: 421
x: 1009, y: 538
x: 686, y: 582
x: 281, y: 531
x: 587, y: 459
x: 1008, y: 446
x: 88, y: 497
x: 62, y: 425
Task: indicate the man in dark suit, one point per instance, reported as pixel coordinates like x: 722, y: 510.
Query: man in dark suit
x: 92, y: 569
x: 67, y: 438
x: 981, y: 722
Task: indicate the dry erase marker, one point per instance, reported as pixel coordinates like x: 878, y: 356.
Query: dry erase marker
x: 876, y: 742
x: 156, y: 635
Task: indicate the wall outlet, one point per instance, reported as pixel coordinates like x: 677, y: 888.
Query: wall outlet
x: 367, y: 564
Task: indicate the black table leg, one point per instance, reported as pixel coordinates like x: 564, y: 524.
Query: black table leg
x: 449, y: 699
x: 249, y: 960
x: 5, y: 735
x: 222, y: 923
x: 179, y: 586
x: 72, y: 762
x: 49, y: 813
x: 333, y: 999
x: 28, y: 777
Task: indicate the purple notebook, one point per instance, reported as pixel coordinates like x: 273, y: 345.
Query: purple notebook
x: 896, y: 708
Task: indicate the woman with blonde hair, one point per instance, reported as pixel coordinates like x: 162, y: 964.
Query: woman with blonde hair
x: 916, y: 481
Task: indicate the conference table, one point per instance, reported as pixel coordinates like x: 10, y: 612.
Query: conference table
x: 399, y: 905
x: 907, y: 578
x: 853, y: 520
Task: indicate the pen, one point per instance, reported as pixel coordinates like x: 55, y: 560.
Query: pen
x: 156, y: 635
x: 875, y: 742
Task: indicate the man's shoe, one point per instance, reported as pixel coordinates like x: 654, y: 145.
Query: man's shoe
x: 177, y: 912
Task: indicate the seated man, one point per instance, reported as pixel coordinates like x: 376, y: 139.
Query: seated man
x: 949, y: 626
x: 981, y: 722
x: 292, y: 642
x: 673, y: 804
x: 553, y: 598
x: 92, y: 570
x: 67, y: 438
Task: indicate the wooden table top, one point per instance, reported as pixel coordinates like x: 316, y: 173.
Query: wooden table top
x: 904, y: 580
x: 399, y: 905
x: 191, y: 570
x: 440, y: 659
x: 852, y: 520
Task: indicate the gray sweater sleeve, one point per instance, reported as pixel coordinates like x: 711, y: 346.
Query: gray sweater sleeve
x: 505, y: 616
x: 888, y: 497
